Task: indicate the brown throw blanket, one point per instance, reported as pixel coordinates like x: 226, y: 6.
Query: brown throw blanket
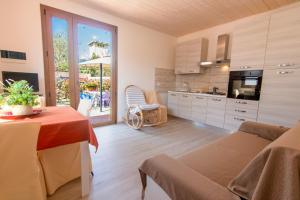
x: 181, y: 182
x: 275, y: 172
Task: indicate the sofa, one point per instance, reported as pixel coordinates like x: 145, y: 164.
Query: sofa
x: 257, y: 162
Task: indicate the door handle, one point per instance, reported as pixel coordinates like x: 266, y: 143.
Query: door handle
x: 284, y: 72
x: 241, y: 102
x: 245, y: 67
x: 240, y: 111
x: 285, y: 65
x: 239, y: 119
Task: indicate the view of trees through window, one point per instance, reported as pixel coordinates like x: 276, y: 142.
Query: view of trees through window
x: 92, y: 53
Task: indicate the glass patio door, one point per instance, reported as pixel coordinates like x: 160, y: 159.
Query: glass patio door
x: 80, y: 63
x: 94, y: 57
x: 59, y: 73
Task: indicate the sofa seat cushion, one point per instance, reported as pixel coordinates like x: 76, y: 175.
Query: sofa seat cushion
x: 224, y: 159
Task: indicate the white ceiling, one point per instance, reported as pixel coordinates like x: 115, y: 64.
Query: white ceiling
x: 179, y: 17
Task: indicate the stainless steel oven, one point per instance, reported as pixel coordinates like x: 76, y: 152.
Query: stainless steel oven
x: 245, y: 84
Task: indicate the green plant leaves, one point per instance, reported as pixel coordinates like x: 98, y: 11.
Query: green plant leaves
x: 19, y: 93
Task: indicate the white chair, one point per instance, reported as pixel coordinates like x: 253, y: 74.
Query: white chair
x: 139, y: 111
x: 85, y: 107
x: 21, y: 176
x: 41, y: 102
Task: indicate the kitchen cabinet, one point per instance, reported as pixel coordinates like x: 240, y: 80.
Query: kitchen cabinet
x: 239, y: 111
x: 173, y: 103
x: 283, y: 44
x: 184, y: 105
x: 189, y: 55
x: 279, y: 100
x: 215, y: 111
x: 209, y: 109
x: 199, y: 104
x: 249, y: 44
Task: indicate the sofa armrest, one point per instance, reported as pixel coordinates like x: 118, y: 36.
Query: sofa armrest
x: 182, y: 182
x: 266, y: 131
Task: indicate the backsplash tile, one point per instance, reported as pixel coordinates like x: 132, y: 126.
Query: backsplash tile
x: 212, y: 77
x: 165, y: 79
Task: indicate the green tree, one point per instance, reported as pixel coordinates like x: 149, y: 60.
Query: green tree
x: 101, y: 44
x: 94, y: 56
x: 60, y: 46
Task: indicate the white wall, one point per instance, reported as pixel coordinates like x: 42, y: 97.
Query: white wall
x: 140, y: 49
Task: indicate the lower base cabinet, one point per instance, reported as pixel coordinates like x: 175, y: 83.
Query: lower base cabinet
x: 239, y: 111
x: 199, y: 108
x: 215, y: 111
x: 184, y: 106
x: 233, y: 122
x: 279, y: 104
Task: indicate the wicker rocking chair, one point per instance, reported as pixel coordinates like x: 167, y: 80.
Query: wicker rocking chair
x: 139, y: 113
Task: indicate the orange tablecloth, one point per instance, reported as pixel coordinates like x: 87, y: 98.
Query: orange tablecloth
x: 61, y: 126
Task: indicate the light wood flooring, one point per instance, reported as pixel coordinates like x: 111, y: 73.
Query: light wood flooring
x: 123, y: 149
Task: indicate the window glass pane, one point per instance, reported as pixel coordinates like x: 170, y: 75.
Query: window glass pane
x: 95, y: 50
x: 61, y: 62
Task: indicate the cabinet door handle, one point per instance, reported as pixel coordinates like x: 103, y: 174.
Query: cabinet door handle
x: 239, y: 119
x: 284, y: 72
x: 185, y: 96
x: 216, y: 99
x: 241, y: 102
x: 199, y: 98
x: 240, y: 111
x: 245, y: 67
x: 174, y: 95
x: 285, y: 65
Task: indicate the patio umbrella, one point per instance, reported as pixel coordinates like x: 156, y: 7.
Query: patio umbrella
x: 103, y: 62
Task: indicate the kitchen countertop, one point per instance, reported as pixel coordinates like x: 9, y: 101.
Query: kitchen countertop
x: 199, y: 93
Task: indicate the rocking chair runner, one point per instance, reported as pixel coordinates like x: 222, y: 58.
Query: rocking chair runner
x: 139, y: 112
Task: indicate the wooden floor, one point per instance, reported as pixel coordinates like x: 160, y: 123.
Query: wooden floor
x: 122, y: 150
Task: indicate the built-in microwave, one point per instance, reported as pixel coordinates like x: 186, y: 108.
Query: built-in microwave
x: 245, y: 84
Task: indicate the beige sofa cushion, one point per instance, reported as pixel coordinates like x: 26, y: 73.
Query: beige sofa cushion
x: 222, y: 160
x: 269, y: 132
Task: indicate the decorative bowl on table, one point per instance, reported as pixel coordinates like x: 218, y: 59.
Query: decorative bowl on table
x: 21, y: 110
x: 10, y: 115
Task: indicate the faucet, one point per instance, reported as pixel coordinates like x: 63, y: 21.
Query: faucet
x: 186, y: 86
x: 215, y: 90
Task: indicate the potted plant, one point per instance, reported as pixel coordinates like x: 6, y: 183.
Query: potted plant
x: 19, y: 96
x: 2, y: 101
x: 91, y: 86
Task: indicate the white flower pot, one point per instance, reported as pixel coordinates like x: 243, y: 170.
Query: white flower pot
x: 6, y: 108
x: 21, y: 110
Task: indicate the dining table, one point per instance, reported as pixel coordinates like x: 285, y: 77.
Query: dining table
x: 62, y: 126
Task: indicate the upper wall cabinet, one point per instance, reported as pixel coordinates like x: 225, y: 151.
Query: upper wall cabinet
x: 283, y: 46
x: 189, y: 55
x: 249, y: 44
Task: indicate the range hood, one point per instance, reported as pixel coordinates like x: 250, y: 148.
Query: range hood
x: 222, y: 52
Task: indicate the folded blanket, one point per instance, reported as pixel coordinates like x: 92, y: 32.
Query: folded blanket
x: 274, y: 174
x: 266, y: 131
